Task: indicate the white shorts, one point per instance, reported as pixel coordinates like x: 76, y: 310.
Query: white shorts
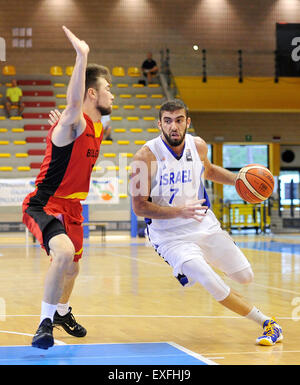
x: 205, y: 240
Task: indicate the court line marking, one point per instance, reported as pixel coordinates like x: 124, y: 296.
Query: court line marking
x: 174, y: 344
x: 58, y: 342
x: 138, y: 259
x: 159, y: 264
x: 276, y: 288
x: 152, y: 316
x: 256, y: 352
x: 193, y: 354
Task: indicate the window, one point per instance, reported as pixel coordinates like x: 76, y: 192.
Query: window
x: 237, y: 156
x: 289, y: 187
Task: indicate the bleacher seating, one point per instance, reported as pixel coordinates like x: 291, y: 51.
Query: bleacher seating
x: 22, y: 140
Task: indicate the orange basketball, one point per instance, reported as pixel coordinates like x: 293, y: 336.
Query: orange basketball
x: 254, y: 183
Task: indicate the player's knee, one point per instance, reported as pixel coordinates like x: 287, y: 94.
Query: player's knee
x: 245, y: 276
x: 63, y: 254
x: 64, y: 257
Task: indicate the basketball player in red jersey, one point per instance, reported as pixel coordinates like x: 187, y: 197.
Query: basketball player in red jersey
x: 53, y: 211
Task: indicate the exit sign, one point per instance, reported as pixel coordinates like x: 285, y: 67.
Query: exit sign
x: 248, y: 138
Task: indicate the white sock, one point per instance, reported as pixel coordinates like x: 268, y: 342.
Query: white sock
x: 62, y: 308
x: 257, y: 316
x: 48, y: 311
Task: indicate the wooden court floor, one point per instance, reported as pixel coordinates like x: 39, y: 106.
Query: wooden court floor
x: 125, y: 293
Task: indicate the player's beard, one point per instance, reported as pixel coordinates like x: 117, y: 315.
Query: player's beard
x: 174, y: 142
x: 104, y: 110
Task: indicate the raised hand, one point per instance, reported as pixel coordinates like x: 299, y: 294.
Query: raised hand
x: 80, y: 46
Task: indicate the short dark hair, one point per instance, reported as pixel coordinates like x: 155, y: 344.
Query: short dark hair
x: 92, y: 74
x: 173, y: 105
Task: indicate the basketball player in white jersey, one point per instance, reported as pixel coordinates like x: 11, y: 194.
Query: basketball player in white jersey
x: 167, y: 188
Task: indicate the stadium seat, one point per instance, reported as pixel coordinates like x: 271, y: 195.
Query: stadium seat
x: 118, y: 130
x: 56, y: 71
x: 18, y: 129
x: 19, y: 142
x: 69, y: 70
x: 153, y: 130
x: 129, y: 107
x: 35, y: 165
x: 109, y: 155
x: 9, y: 70
x: 114, y: 118
x: 37, y: 93
x: 123, y: 142
x: 35, y: 139
x: 40, y: 104
x: 36, y: 127
x: 41, y: 82
x: 21, y: 155
x: 136, y: 130
x: 126, y: 154
x: 36, y: 152
x: 118, y: 71
x: 134, y: 71
x: 137, y: 85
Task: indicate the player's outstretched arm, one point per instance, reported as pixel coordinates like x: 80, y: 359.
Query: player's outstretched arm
x: 211, y: 171
x: 72, y: 123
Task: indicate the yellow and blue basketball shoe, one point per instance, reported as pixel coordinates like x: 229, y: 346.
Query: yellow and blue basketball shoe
x: 272, y: 333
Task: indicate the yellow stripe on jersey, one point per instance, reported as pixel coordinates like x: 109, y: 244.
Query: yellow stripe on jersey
x: 98, y: 127
x: 79, y: 252
x: 78, y: 195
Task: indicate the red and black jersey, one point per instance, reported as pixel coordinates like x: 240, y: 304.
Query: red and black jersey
x: 63, y: 181
x: 66, y: 171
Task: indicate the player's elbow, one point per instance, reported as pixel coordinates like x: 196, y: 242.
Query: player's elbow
x: 138, y: 207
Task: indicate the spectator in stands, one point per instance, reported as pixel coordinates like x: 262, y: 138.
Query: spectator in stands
x: 149, y: 68
x: 14, y: 98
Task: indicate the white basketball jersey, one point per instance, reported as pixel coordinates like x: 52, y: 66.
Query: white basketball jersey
x: 177, y: 180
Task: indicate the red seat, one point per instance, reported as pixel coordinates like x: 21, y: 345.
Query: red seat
x: 39, y: 104
x: 36, y: 115
x: 35, y: 165
x: 35, y: 139
x: 38, y: 93
x: 36, y: 152
x: 34, y: 82
x: 36, y: 127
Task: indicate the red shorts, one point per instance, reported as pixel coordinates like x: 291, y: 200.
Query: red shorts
x: 46, y: 216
